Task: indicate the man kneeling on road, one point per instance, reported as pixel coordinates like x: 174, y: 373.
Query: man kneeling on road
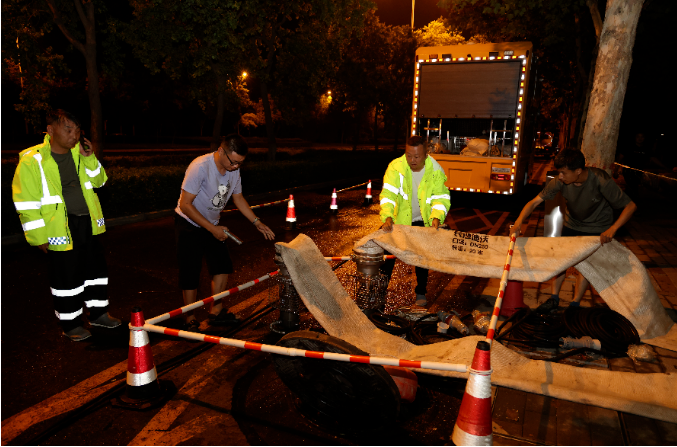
x: 414, y: 194
x: 61, y: 215
x: 590, y: 195
x: 210, y: 181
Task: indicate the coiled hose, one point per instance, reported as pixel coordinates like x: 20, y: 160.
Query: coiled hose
x: 419, y: 332
x: 612, y: 329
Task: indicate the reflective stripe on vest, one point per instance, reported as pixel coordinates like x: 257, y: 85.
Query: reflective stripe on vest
x: 22, y: 206
x: 437, y: 196
x: 46, y: 198
x: 95, y: 172
x: 32, y: 225
x: 386, y: 200
x: 404, y: 194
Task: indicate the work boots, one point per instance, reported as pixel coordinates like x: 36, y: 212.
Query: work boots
x: 105, y: 320
x: 78, y: 334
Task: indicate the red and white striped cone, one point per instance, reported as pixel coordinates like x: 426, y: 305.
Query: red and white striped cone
x: 291, y: 213
x: 334, y: 206
x: 143, y: 389
x: 368, y: 199
x: 473, y: 424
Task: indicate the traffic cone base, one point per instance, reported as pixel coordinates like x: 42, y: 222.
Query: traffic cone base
x: 291, y: 213
x: 513, y: 298
x: 473, y: 424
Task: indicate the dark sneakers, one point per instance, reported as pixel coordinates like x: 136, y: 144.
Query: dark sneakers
x: 78, y: 334
x: 191, y: 326
x: 224, y: 318
x: 105, y: 320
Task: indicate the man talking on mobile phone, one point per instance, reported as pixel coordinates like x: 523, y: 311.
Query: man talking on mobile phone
x: 53, y: 192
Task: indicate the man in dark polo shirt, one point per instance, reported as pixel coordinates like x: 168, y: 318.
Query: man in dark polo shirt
x: 591, y: 196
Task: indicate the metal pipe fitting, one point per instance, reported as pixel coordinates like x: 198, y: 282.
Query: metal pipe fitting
x: 289, y: 300
x: 370, y: 284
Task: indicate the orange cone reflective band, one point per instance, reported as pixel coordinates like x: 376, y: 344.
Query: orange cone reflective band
x: 334, y: 205
x: 291, y: 211
x: 473, y: 424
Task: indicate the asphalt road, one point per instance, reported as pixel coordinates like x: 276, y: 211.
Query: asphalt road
x: 227, y: 396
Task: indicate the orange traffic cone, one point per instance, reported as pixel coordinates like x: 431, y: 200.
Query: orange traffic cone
x: 368, y: 200
x: 143, y: 389
x: 334, y: 206
x: 473, y: 424
x: 291, y: 213
x: 513, y: 299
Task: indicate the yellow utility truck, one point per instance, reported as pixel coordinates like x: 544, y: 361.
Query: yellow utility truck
x: 473, y: 104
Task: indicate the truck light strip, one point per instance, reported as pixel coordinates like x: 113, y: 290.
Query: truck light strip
x: 519, y: 104
x: 293, y: 352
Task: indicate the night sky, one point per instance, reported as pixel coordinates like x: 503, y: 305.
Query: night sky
x: 398, y: 12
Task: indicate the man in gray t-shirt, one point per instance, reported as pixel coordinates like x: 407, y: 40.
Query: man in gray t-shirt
x: 591, y: 196
x: 210, y: 181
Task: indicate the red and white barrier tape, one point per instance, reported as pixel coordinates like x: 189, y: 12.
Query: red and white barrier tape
x: 501, y: 291
x: 351, y: 187
x: 258, y: 206
x: 195, y: 305
x: 293, y: 352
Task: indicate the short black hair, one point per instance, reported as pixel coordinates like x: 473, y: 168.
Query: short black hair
x: 416, y: 140
x: 56, y: 116
x: 571, y: 159
x: 235, y: 143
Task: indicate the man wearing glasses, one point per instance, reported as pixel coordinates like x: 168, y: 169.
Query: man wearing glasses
x: 210, y: 181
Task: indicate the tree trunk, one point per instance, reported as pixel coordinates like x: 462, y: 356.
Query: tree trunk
x: 220, y: 99
x: 88, y: 49
x: 612, y: 71
x: 270, y: 130
x: 376, y: 128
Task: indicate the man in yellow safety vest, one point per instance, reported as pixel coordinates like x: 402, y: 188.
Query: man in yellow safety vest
x: 414, y: 194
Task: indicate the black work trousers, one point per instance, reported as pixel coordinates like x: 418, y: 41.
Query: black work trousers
x: 421, y: 273
x: 79, y: 276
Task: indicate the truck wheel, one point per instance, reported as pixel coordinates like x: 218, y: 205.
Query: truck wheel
x: 352, y: 397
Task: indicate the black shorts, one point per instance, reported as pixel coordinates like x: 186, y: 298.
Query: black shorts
x: 192, y: 244
x: 566, y: 231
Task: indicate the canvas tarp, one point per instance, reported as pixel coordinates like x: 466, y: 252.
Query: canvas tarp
x: 644, y: 394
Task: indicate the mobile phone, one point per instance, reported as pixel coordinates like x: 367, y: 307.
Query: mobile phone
x: 85, y: 147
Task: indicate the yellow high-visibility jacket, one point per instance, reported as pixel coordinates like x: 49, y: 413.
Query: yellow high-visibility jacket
x: 38, y: 197
x: 433, y: 196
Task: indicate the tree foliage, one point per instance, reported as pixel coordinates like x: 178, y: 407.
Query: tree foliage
x: 438, y: 33
x: 564, y: 36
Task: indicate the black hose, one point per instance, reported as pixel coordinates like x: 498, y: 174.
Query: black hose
x: 612, y: 329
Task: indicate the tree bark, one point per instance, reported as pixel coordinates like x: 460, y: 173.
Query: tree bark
x: 270, y: 130
x: 376, y: 128
x: 612, y: 71
x: 88, y: 49
x: 218, y: 120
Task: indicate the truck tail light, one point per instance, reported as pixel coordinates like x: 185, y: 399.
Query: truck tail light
x: 500, y: 176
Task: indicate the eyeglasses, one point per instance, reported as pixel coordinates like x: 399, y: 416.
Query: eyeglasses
x: 232, y: 163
